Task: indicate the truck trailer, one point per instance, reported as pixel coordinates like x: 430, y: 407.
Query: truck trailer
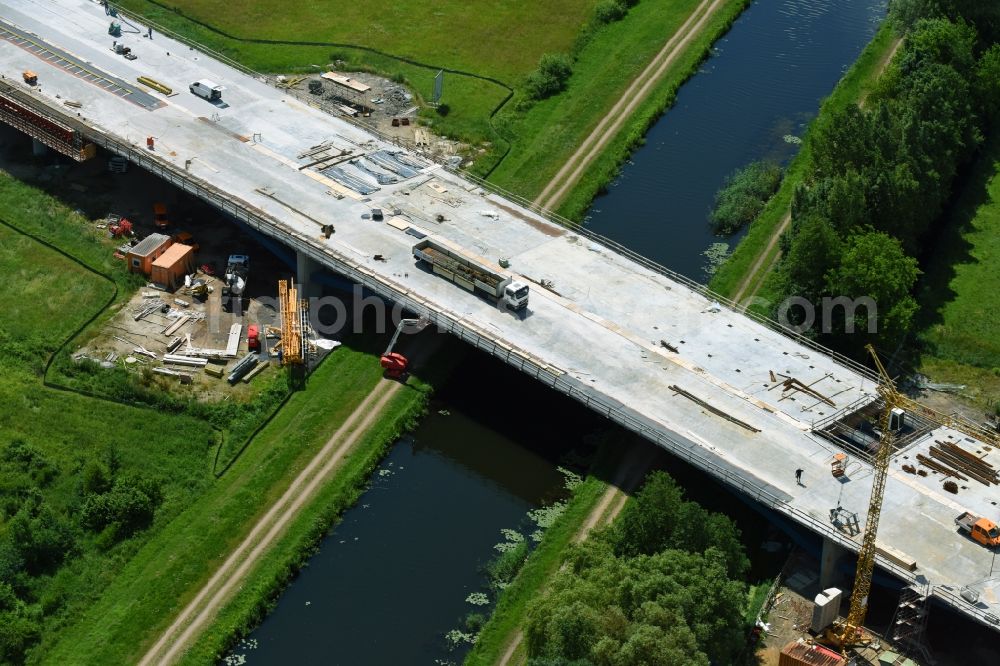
x: 471, y: 275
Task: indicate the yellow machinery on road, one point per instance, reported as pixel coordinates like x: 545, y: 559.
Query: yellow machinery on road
x: 292, y: 318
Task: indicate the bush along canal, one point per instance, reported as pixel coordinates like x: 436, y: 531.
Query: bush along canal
x: 752, y: 100
x: 414, y: 568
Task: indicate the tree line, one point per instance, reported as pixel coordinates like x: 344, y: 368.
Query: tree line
x: 881, y: 175
x: 663, y: 586
x: 37, y: 538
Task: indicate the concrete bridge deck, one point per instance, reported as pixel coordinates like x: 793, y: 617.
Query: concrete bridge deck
x: 594, y: 334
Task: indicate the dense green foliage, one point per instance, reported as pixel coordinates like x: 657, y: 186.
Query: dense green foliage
x: 554, y: 70
x: 881, y: 176
x: 960, y: 292
x: 742, y: 197
x: 852, y: 89
x: 662, y: 587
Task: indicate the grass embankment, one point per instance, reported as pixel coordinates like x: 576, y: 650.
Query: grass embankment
x: 960, y: 290
x: 171, y: 568
x: 541, y: 565
x: 605, y: 168
x: 547, y: 134
x: 409, y: 42
x: 509, y: 614
x: 853, y: 87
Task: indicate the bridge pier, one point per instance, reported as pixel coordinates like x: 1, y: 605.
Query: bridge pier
x: 38, y: 149
x: 829, y: 560
x: 305, y: 266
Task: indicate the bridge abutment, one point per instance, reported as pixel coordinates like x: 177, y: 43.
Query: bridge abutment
x: 305, y: 266
x: 833, y: 553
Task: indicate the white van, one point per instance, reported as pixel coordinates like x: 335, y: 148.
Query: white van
x: 207, y: 89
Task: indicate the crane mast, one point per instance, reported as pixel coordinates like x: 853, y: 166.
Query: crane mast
x: 849, y: 633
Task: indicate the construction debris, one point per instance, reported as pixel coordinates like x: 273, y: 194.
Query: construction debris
x: 170, y: 330
x: 181, y: 359
x: 960, y: 462
x: 715, y: 410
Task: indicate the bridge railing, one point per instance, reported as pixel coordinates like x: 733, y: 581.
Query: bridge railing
x: 506, y: 351
x: 551, y: 216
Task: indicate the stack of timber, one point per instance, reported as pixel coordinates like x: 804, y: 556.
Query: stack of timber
x: 952, y: 460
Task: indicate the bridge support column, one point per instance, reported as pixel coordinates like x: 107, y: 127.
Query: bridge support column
x: 829, y: 560
x: 305, y: 267
x: 38, y: 149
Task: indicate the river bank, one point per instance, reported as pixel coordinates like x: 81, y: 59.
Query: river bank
x: 752, y: 100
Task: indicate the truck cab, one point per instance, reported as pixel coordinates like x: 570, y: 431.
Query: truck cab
x: 207, y: 90
x: 985, y: 532
x: 515, y: 295
x: 980, y: 529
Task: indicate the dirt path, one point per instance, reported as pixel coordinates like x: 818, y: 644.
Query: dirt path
x: 634, y: 95
x: 738, y: 297
x: 229, y: 577
x: 741, y: 292
x: 882, y: 65
x: 628, y: 476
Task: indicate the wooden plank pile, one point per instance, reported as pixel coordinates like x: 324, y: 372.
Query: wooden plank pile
x: 952, y: 460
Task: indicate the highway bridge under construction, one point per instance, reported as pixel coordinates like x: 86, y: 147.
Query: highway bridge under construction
x: 733, y: 395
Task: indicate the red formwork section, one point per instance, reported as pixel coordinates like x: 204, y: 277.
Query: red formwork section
x: 49, y: 131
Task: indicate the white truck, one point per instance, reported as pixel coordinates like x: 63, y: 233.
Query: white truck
x: 472, y: 275
x: 207, y: 89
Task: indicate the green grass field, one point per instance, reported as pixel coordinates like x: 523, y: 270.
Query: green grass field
x: 108, y: 598
x: 502, y: 42
x: 546, y: 135
x: 960, y: 291
x: 855, y: 85
x: 499, y: 39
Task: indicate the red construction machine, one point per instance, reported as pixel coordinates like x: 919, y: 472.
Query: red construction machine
x: 395, y: 364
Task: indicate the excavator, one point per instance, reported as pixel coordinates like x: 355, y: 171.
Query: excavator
x: 395, y: 364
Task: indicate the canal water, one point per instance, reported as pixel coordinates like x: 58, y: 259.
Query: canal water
x: 393, y: 577
x: 752, y: 98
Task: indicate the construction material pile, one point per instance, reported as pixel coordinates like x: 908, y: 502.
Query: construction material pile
x: 952, y: 460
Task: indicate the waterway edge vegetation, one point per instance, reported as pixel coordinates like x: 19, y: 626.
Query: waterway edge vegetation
x: 855, y: 84
x: 879, y: 177
x: 541, y: 564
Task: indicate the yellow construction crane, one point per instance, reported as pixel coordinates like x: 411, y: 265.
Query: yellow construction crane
x: 849, y: 632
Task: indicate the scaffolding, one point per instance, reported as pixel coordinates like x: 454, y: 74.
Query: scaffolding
x: 294, y: 324
x: 45, y: 129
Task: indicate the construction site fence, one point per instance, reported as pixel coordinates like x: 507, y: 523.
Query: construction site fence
x: 555, y: 378
x: 530, y: 205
